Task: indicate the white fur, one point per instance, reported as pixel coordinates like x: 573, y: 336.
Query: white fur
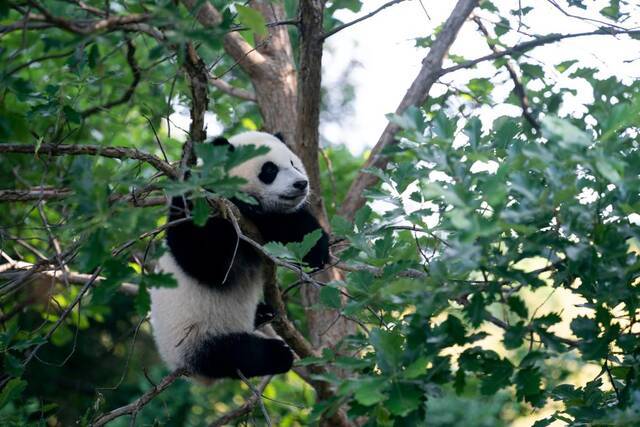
x: 181, y: 317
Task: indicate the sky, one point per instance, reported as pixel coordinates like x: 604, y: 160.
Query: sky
x: 384, y: 45
x: 384, y: 49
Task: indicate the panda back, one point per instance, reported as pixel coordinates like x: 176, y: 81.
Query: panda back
x: 184, y: 316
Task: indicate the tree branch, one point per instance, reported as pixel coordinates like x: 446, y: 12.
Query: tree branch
x: 55, y: 274
x: 362, y: 18
x: 245, y: 409
x: 138, y: 198
x: 415, y: 96
x: 137, y: 74
x: 518, y: 88
x: 531, y: 44
x: 35, y: 194
x: 230, y: 90
x: 135, y: 406
x: 85, y: 27
x: 92, y: 150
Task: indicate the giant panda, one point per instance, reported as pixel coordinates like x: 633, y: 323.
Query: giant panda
x: 208, y: 323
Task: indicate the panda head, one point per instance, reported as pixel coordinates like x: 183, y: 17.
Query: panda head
x: 277, y: 179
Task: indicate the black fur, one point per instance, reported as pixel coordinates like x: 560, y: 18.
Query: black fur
x: 205, y: 253
x: 224, y: 356
x: 264, y: 314
x: 287, y: 228
x: 268, y: 172
x: 223, y: 141
x: 280, y: 136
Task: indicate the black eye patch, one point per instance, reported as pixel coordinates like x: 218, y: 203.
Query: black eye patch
x: 268, y: 173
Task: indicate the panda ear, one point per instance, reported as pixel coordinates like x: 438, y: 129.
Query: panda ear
x: 280, y: 136
x: 222, y: 141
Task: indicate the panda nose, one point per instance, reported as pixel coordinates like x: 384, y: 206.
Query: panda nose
x: 300, y: 185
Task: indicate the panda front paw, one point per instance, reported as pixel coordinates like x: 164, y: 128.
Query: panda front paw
x: 264, y: 314
x: 318, y: 256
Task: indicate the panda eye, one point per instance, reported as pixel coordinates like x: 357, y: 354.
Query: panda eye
x: 268, y: 172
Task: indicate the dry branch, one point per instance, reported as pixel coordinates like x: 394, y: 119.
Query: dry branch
x: 230, y: 90
x: 245, y: 409
x: 416, y: 95
x: 531, y: 44
x: 362, y: 18
x: 122, y: 153
x: 35, y: 194
x: 133, y: 407
x: 83, y: 26
x: 73, y: 277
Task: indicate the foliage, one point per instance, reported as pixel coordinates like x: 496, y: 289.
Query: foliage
x: 494, y: 271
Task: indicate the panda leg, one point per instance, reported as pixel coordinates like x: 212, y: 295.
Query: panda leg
x: 252, y: 355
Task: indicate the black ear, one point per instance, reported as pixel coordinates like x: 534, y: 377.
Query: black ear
x: 222, y: 141
x: 280, y: 136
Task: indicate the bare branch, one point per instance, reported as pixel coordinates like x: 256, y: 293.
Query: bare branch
x: 135, y: 406
x: 415, y: 96
x: 35, y: 194
x: 92, y: 150
x: 531, y: 44
x: 138, y: 198
x: 85, y: 27
x: 518, y: 88
x: 9, y: 268
x: 40, y: 59
x: 24, y: 25
x: 230, y: 90
x: 137, y: 74
x: 555, y: 4
x: 246, y: 408
x: 362, y: 18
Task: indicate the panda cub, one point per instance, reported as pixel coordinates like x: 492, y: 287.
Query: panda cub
x: 208, y: 323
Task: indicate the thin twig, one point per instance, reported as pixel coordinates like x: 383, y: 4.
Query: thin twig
x: 135, y: 406
x: 126, y: 96
x: 518, y: 88
x: 246, y: 408
x: 362, y: 18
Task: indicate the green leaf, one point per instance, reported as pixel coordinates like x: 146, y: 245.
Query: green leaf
x: 200, y: 212
x: 388, y: 346
x: 369, y: 393
x: 301, y: 249
x: 518, y: 306
x: 528, y: 386
x: 11, y: 391
x: 252, y: 19
x: 159, y: 280
x: 514, y: 335
x: 562, y: 131
x: 279, y: 250
x: 143, y: 300
x: 330, y: 297
x: 404, y: 398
